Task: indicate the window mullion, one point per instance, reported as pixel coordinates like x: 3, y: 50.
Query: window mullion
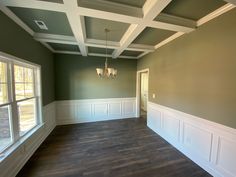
x: 37, y: 107
x: 15, y: 116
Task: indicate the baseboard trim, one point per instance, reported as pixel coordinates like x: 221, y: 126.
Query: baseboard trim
x: 210, y: 145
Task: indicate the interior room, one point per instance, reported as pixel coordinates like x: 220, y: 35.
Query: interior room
x: 117, y: 88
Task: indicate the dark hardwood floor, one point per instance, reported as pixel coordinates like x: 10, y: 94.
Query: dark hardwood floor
x: 119, y: 148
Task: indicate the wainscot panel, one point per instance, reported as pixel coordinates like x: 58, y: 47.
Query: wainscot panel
x: 92, y: 110
x: 211, y: 145
x: 17, y: 157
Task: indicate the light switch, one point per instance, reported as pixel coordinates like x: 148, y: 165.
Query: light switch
x: 153, y: 95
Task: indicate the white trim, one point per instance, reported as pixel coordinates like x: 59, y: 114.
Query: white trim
x: 200, y: 22
x: 77, y: 24
x: 211, y: 145
x: 114, y: 7
x: 54, y: 38
x: 62, y: 39
x: 104, y: 55
x: 101, y: 43
x: 231, y: 1
x: 138, y: 91
x: 171, y: 38
x: 151, y: 9
x: 92, y: 110
x: 67, y: 52
x: 216, y: 13
x: 8, y: 57
x: 32, y: 4
x: 121, y: 13
x: 143, y: 54
x: 16, y: 19
x: 48, y: 46
x: 93, y: 54
x: 19, y: 154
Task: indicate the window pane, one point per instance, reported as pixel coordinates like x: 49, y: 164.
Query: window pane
x: 28, y: 75
x: 19, y: 73
x: 24, y: 86
x: 3, y: 93
x: 3, y: 83
x: 27, y: 115
x: 29, y: 90
x: 3, y: 72
x: 20, y: 91
x: 5, y: 130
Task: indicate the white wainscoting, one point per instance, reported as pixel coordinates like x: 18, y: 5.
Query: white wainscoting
x: 16, y: 159
x: 212, y: 146
x: 92, y: 110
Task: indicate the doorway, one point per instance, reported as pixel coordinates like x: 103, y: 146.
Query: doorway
x: 142, y: 92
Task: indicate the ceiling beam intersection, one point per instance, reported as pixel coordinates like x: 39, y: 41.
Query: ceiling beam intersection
x: 77, y: 24
x: 151, y: 9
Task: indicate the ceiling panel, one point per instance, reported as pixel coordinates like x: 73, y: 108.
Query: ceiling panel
x: 135, y: 3
x: 95, y: 29
x: 192, y: 9
x: 151, y: 36
x: 64, y: 47
x: 131, y: 53
x: 56, y: 22
x: 99, y: 50
x: 56, y: 1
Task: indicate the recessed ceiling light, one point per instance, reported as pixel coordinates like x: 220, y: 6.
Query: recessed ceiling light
x: 41, y: 24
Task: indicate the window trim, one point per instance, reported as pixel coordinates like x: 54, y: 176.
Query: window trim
x: 16, y: 138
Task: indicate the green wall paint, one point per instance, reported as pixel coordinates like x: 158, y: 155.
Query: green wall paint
x: 196, y: 72
x: 76, y: 78
x: 15, y: 41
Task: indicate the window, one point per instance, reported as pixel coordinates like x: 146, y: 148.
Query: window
x: 19, y: 100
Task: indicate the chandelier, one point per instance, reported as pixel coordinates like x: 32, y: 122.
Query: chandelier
x: 106, y: 72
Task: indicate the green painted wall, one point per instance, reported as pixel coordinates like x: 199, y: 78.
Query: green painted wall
x: 15, y: 41
x: 76, y: 78
x: 196, y: 73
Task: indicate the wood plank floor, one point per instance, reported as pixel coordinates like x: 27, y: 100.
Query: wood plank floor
x: 119, y: 148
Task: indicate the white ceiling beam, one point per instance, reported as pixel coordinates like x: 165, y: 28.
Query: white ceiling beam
x: 62, y: 39
x: 215, y: 13
x: 16, y: 19
x: 104, y: 55
x: 102, y: 43
x: 33, y: 4
x: 53, y: 38
x: 48, y: 46
x: 170, y: 27
x: 109, y: 6
x: 98, y: 13
x: 77, y: 24
x: 108, y: 15
x: 141, y: 47
x: 92, y: 54
x: 231, y: 1
x: 135, y: 20
x: 142, y: 54
x: 171, y: 38
x: 67, y: 52
x: 200, y: 22
x: 173, y: 23
x: 151, y: 9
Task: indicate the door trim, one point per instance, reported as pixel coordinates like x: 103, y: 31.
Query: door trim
x: 138, y: 89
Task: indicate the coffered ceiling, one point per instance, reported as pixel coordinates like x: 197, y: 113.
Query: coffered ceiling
x: 138, y: 27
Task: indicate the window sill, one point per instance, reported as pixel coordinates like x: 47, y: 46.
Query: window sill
x: 12, y: 148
